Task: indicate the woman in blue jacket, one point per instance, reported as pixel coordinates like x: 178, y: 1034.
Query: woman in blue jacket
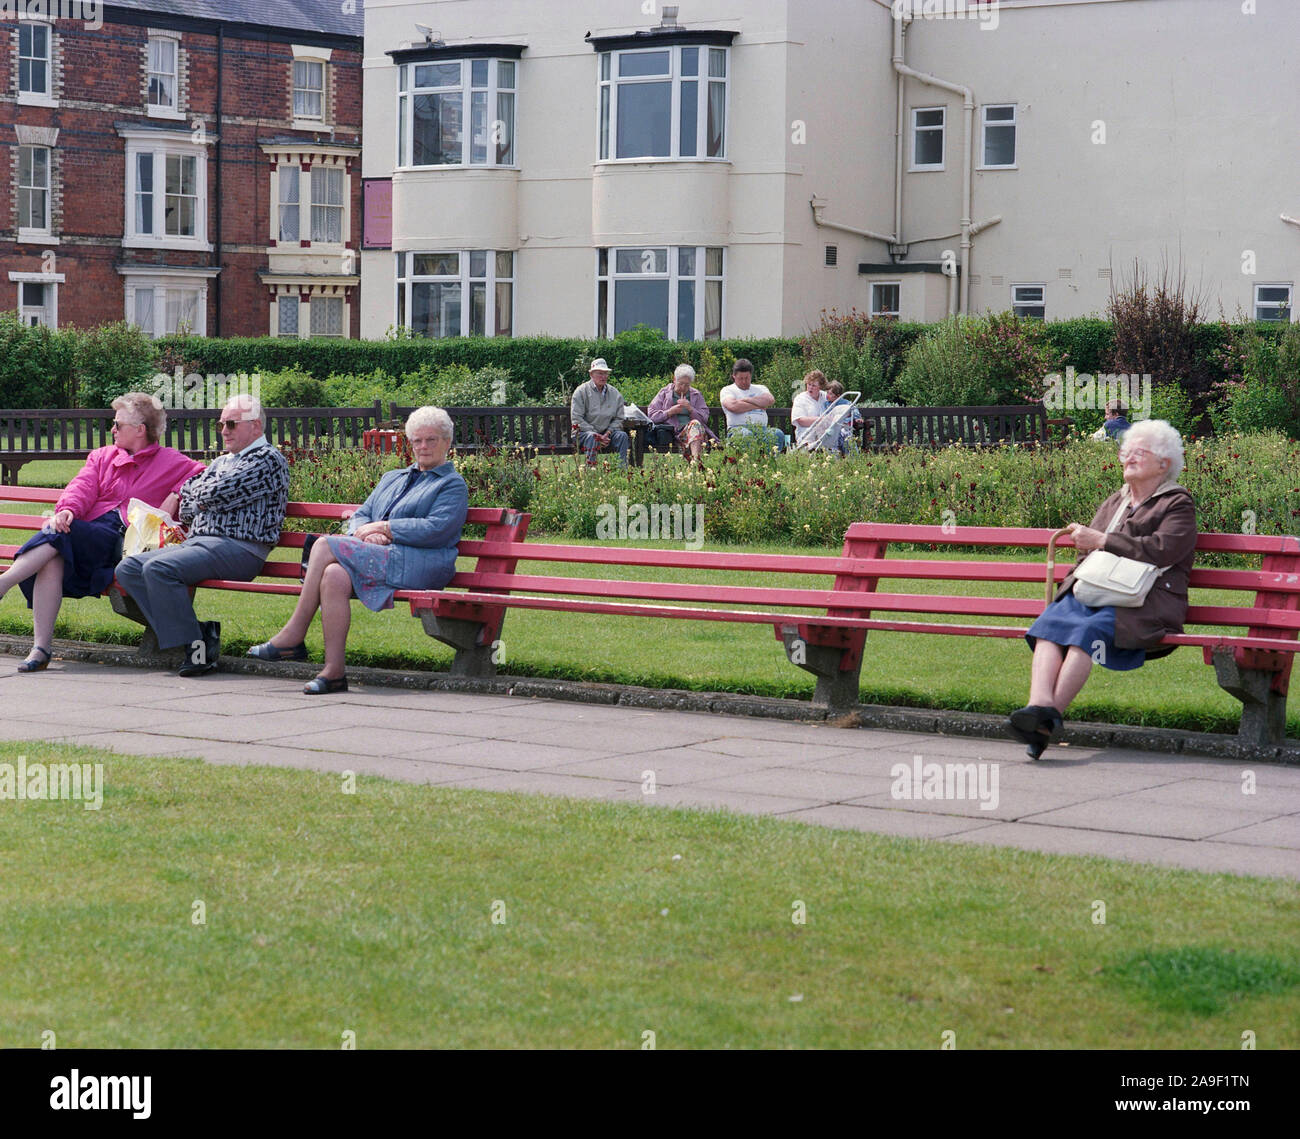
x: 404, y: 536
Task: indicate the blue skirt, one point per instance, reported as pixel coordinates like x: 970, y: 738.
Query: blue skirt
x: 367, y: 566
x: 1070, y: 622
x: 90, y: 553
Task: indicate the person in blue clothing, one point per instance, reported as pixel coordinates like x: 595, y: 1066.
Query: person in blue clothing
x: 842, y: 439
x: 404, y: 536
x: 1116, y: 421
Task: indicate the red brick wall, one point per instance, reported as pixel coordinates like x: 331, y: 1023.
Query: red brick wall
x: 102, y: 83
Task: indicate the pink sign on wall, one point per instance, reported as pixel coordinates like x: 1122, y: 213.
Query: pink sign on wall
x: 377, y: 213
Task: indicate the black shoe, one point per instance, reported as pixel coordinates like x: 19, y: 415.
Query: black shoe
x: 31, y: 664
x: 325, y: 684
x: 1035, y: 726
x: 199, y: 662
x: 268, y: 651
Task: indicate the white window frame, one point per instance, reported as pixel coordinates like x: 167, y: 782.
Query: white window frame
x: 137, y: 279
x: 1019, y: 301
x: 986, y: 124
x: 490, y: 279
x: 161, y: 146
x: 36, y: 98
x: 308, y: 184
x: 941, y: 128
x: 280, y: 299
x: 610, y: 277
x: 44, y: 232
x: 873, y: 311
x: 320, y: 180
x: 50, y: 309
x: 312, y: 311
x: 609, y: 82
x: 310, y: 55
x: 495, y: 89
x: 1276, y: 306
x: 283, y: 208
x: 164, y: 110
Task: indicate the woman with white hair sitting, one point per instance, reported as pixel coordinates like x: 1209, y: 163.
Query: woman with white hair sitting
x: 404, y: 536
x: 1151, y: 519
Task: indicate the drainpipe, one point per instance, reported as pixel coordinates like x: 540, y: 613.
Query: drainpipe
x: 968, y: 106
x: 221, y: 39
x: 819, y: 204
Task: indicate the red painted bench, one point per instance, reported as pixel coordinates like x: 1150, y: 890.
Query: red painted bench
x: 502, y: 526
x: 1253, y: 665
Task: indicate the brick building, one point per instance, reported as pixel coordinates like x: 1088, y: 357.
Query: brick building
x: 182, y: 164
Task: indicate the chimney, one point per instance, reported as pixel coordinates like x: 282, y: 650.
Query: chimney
x: 669, y: 22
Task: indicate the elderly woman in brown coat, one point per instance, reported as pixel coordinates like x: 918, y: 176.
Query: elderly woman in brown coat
x: 1150, y: 519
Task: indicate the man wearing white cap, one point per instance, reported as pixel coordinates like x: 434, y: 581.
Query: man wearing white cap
x: 597, y: 409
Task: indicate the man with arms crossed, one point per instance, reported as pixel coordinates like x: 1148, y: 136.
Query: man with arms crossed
x: 234, y: 511
x: 745, y: 404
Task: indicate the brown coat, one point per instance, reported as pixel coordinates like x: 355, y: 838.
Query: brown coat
x: 1160, y: 530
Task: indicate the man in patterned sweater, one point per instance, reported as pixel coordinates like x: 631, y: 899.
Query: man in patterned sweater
x: 234, y: 511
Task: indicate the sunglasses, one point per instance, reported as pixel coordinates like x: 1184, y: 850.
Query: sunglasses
x: 228, y: 424
x: 118, y: 425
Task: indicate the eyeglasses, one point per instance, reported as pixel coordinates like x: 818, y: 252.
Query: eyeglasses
x: 118, y: 425
x: 228, y: 424
x: 1136, y: 453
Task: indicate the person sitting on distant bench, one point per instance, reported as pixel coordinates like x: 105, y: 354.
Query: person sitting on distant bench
x: 809, y: 405
x: 842, y: 441
x: 1116, y: 421
x: 596, y: 410
x: 680, y: 415
x: 745, y: 404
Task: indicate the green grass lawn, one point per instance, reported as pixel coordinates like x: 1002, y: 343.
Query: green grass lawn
x: 373, y: 913
x: 966, y: 673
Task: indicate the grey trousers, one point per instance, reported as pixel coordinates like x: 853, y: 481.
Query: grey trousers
x: 158, y: 581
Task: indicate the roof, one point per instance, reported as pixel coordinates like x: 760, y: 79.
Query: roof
x: 291, y: 15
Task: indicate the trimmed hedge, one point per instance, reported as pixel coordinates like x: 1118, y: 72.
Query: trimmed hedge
x: 40, y: 368
x: 538, y: 362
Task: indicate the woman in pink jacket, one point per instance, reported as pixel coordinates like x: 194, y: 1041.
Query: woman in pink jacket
x: 75, y: 554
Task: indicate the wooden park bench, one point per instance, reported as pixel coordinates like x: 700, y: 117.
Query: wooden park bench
x: 51, y: 433
x: 1253, y: 665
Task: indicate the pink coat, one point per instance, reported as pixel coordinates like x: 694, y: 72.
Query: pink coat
x: 112, y: 477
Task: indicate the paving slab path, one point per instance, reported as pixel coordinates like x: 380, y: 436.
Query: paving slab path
x: 1203, y: 814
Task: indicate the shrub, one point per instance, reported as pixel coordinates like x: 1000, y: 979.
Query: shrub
x: 1085, y: 342
x: 1154, y: 324
x: 293, y: 388
x: 845, y: 349
x: 974, y: 361
x: 783, y: 374
x: 113, y: 359
x: 37, y: 365
x: 1263, y: 389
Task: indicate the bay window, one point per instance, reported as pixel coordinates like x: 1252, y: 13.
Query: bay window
x: 166, y: 190
x: 676, y: 289
x: 663, y: 102
x: 456, y: 112
x: 467, y: 292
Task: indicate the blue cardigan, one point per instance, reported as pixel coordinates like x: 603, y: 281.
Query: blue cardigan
x: 426, y: 524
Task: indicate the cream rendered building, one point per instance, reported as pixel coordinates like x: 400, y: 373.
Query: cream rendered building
x: 734, y: 167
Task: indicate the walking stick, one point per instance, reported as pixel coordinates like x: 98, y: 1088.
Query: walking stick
x: 1051, y: 564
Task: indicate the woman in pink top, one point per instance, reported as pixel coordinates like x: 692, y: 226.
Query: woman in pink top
x: 78, y: 549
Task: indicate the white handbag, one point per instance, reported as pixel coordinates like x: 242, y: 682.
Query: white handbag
x: 1103, y: 578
